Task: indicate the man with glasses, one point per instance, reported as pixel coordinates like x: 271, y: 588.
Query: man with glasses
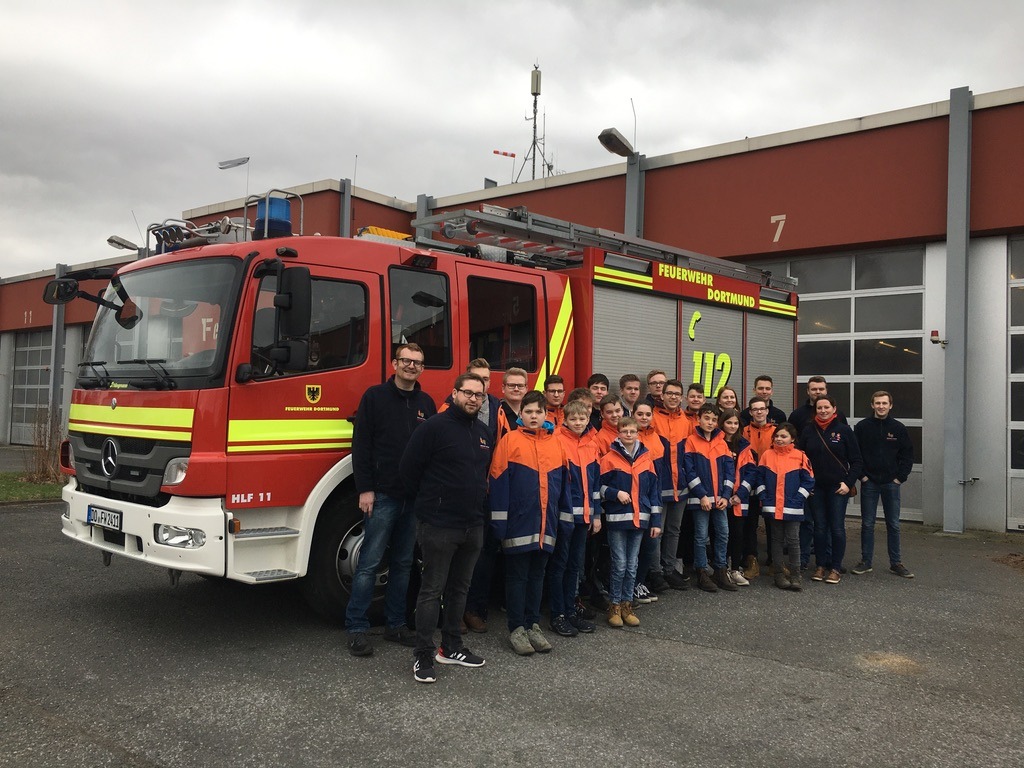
x: 671, y: 423
x: 513, y: 390
x: 764, y: 387
x: 445, y: 469
x: 387, y: 416
x: 554, y: 394
x: 655, y: 383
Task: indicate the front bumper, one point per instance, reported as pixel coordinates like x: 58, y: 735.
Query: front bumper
x: 136, y: 539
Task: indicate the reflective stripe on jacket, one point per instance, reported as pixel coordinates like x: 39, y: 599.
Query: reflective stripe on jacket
x: 636, y: 476
x: 709, y: 466
x: 785, y: 480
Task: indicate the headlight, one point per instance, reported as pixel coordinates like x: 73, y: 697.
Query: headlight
x: 175, y: 471
x: 175, y: 536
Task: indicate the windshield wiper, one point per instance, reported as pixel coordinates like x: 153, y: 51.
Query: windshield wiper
x: 102, y: 378
x: 163, y: 379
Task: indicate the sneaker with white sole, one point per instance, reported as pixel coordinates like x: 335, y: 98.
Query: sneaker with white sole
x: 641, y: 595
x: 901, y: 570
x: 537, y: 640
x: 423, y: 668
x: 861, y: 568
x: 463, y: 657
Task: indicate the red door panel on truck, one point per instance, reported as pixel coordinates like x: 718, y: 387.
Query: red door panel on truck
x: 285, y: 432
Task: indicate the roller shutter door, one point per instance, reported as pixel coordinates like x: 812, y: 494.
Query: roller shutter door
x: 633, y: 333
x: 770, y: 351
x: 715, y: 355
x: 30, y: 394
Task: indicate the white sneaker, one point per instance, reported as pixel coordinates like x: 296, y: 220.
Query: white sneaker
x: 738, y: 579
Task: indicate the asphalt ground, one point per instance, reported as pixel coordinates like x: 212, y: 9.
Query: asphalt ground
x: 113, y: 667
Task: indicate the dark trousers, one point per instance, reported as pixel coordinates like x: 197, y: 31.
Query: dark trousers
x: 750, y: 530
x: 449, y: 555
x: 686, y: 536
x: 479, y: 597
x: 785, y: 533
x: 736, y: 527
x: 524, y: 587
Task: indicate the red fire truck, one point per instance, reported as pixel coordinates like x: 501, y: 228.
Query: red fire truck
x: 210, y: 426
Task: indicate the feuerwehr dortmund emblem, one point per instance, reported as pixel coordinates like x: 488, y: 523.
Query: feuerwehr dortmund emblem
x: 313, y: 393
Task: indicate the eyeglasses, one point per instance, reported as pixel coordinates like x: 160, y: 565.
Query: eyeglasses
x: 516, y: 386
x: 758, y: 410
x: 469, y: 394
x: 656, y: 383
x: 555, y: 391
x: 408, y: 362
x: 672, y: 394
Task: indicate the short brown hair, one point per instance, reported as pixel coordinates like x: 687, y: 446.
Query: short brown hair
x: 478, y: 362
x: 411, y: 346
x: 576, y: 408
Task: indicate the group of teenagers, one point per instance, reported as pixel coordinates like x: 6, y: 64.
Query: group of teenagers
x: 600, y: 498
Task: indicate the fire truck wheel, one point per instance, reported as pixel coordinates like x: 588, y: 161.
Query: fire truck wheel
x: 333, y: 558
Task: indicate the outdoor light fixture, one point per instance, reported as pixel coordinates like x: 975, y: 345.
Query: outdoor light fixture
x: 935, y: 339
x: 615, y: 142
x: 225, y: 164
x: 116, y: 241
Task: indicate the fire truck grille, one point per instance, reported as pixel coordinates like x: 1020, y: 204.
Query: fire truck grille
x: 131, y: 469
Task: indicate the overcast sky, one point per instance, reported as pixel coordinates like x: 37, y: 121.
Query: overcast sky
x: 114, y: 114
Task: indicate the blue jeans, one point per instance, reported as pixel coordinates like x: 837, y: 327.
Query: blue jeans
x: 624, y: 545
x: 524, y: 587
x: 829, y: 511
x: 869, y: 493
x: 719, y: 520
x: 564, y: 570
x: 391, y: 530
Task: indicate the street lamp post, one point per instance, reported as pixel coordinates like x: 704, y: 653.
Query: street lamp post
x: 613, y: 141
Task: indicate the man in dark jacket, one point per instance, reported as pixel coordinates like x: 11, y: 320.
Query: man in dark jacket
x: 888, y: 456
x: 388, y: 413
x: 804, y: 415
x: 444, y: 468
x: 764, y: 387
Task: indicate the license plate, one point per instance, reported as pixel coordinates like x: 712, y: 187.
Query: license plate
x: 104, y: 518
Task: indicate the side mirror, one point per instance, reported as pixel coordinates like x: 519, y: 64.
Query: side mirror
x: 294, y: 299
x: 60, y: 291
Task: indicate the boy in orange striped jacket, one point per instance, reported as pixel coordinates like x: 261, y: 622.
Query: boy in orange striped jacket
x: 529, y: 505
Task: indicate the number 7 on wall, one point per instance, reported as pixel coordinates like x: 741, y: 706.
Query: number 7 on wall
x: 780, y: 220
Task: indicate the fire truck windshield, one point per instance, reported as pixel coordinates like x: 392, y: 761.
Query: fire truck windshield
x: 167, y: 330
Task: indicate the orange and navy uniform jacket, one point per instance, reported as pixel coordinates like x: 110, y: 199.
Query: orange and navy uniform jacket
x: 658, y: 446
x: 760, y: 437
x: 584, y: 473
x: 636, y: 476
x: 746, y: 476
x: 710, y: 469
x: 675, y: 428
x: 529, y: 489
x: 604, y: 437
x: 785, y: 480
x: 556, y: 415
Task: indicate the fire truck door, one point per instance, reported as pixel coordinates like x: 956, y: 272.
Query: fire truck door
x: 285, y: 431
x: 504, y: 317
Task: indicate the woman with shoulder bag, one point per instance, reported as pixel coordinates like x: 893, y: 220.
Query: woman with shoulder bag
x: 835, y: 458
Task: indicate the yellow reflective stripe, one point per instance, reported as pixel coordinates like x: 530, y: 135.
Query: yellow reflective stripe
x: 286, y: 447
x: 107, y: 429
x: 257, y: 430
x: 623, y: 277
x: 131, y: 415
x: 559, y: 340
x: 777, y: 307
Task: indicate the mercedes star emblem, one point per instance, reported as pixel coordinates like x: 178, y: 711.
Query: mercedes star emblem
x: 108, y: 457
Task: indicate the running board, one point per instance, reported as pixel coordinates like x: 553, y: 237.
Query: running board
x: 277, y: 574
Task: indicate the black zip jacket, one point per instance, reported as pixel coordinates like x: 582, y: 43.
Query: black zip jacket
x: 886, y: 449
x: 444, y: 468
x: 840, y: 462
x: 385, y: 421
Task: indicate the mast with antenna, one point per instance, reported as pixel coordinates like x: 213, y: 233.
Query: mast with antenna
x: 537, y: 144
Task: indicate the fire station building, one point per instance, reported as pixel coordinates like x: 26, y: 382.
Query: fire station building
x: 905, y: 230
